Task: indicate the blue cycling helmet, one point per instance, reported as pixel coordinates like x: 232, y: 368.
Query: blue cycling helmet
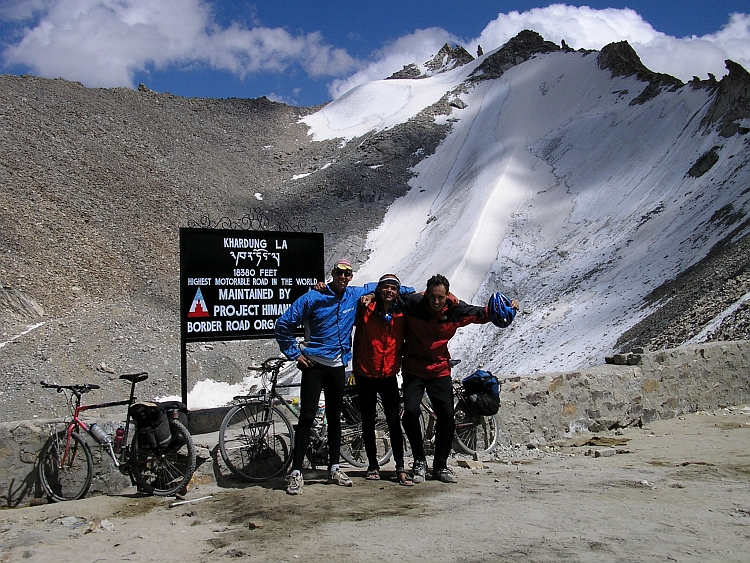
x: 500, y: 310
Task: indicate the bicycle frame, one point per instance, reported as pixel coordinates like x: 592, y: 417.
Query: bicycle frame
x: 319, y: 433
x: 76, y: 424
x: 257, y: 436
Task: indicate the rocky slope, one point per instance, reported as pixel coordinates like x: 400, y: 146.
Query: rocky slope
x: 96, y: 183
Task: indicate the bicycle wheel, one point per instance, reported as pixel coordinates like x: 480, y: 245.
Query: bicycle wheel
x: 352, y: 442
x: 475, y: 433
x: 163, y: 471
x: 256, y: 442
x: 65, y: 477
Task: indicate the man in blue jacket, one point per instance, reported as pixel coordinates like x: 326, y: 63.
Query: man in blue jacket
x: 328, y: 316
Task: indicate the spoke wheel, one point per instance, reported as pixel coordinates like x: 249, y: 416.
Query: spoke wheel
x: 256, y: 442
x: 65, y: 477
x: 164, y: 471
x: 475, y: 433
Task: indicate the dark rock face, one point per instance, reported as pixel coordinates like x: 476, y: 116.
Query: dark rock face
x: 409, y: 71
x: 519, y: 49
x: 622, y: 60
x: 704, y: 163
x: 731, y: 103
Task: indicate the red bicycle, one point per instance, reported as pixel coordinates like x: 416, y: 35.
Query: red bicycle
x: 160, y: 465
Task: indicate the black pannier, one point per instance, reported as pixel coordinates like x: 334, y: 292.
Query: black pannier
x: 152, y: 423
x: 482, y: 392
x: 176, y: 406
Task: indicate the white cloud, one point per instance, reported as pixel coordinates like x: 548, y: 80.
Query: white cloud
x: 20, y: 10
x: 104, y: 42
x: 581, y: 28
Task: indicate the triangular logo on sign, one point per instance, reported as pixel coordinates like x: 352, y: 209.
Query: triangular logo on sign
x: 198, y: 308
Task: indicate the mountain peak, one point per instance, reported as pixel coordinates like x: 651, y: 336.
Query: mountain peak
x: 732, y: 102
x: 447, y: 58
x: 622, y: 60
x: 517, y: 50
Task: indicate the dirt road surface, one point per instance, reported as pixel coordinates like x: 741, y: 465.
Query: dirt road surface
x: 677, y: 490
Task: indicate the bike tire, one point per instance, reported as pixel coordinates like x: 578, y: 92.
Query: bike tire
x: 164, y: 471
x: 256, y: 442
x: 352, y: 441
x: 476, y: 434
x: 72, y: 480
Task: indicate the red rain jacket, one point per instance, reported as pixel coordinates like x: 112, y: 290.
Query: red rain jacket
x: 378, y: 343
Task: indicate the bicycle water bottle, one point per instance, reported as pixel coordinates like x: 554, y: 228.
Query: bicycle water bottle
x: 318, y: 422
x: 98, y: 433
x: 119, y: 435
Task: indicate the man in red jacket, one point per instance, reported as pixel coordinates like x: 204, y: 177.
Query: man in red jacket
x: 432, y: 320
x: 378, y: 343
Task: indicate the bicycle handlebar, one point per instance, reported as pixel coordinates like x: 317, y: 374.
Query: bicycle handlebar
x: 80, y: 388
x: 274, y: 363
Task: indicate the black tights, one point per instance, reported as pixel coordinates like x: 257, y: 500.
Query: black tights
x: 331, y: 381
x: 368, y: 389
x: 440, y: 392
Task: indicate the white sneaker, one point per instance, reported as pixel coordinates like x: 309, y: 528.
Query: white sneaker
x: 294, y: 483
x: 340, y: 478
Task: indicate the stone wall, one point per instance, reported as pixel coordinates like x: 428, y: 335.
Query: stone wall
x: 663, y: 384
x: 534, y: 410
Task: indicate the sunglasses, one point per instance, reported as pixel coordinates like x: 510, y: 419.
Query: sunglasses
x: 340, y: 272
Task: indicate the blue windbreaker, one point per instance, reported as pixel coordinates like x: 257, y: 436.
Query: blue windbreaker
x: 329, y: 321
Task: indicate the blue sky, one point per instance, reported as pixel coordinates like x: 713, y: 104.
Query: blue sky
x: 305, y: 54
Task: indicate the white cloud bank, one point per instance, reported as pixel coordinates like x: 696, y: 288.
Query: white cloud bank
x: 104, y: 43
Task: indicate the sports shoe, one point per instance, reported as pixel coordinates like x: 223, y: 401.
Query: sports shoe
x: 340, y: 478
x: 418, y: 470
x: 294, y: 483
x: 444, y: 475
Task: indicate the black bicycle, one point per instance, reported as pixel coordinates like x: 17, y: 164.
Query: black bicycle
x: 256, y: 438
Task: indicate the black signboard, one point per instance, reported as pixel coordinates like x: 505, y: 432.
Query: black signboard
x: 234, y: 284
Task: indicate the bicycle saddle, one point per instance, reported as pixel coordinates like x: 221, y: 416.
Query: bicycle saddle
x: 135, y: 377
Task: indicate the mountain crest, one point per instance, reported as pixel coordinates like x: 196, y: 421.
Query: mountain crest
x: 731, y: 103
x: 517, y: 50
x: 447, y: 58
x: 622, y: 60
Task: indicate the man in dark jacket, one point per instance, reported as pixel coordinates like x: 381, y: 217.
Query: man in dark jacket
x: 432, y: 320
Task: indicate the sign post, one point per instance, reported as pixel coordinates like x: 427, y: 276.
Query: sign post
x: 234, y: 284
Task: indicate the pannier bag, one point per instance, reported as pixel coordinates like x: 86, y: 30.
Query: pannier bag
x: 482, y: 392
x: 152, y: 423
x: 179, y: 407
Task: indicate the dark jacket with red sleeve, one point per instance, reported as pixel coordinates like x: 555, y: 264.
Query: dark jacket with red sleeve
x: 427, y: 333
x: 378, y: 341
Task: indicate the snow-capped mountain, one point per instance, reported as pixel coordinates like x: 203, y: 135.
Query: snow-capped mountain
x: 577, y: 182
